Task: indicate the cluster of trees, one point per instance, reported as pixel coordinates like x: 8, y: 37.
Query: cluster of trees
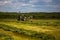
x: 36, y: 15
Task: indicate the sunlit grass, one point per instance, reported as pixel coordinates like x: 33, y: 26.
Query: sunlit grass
x: 27, y: 33
x: 36, y: 25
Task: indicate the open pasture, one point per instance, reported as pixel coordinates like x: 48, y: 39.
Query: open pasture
x: 36, y: 30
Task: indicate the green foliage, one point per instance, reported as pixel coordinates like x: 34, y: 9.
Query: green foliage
x: 36, y: 15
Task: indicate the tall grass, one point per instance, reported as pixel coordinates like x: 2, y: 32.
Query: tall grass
x: 28, y: 33
x: 5, y: 37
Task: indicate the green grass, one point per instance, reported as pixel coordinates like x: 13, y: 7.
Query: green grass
x: 36, y: 30
x: 28, y: 33
x: 5, y: 37
x: 44, y: 22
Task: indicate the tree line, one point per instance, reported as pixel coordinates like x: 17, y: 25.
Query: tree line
x: 36, y: 15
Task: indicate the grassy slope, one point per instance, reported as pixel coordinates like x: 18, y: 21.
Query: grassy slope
x: 48, y: 29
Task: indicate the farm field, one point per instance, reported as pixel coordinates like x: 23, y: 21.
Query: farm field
x: 35, y: 30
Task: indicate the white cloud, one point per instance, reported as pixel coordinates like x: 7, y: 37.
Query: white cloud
x: 53, y: 6
x: 15, y: 4
x: 4, y: 2
x: 26, y: 4
x: 34, y: 1
x: 47, y: 1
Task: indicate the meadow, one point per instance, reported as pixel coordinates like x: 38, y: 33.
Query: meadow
x: 38, y: 29
x: 31, y: 30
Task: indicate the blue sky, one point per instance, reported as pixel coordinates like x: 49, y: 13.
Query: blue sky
x: 30, y: 5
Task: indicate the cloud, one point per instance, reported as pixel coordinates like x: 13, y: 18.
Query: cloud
x: 36, y: 1
x: 27, y: 5
x: 47, y: 1
x: 14, y: 2
x: 3, y: 2
x: 33, y: 1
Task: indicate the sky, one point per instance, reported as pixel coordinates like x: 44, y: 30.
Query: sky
x: 30, y: 5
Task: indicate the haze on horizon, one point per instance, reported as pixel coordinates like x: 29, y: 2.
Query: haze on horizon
x: 30, y: 5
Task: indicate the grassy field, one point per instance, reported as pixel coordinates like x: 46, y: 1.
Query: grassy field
x: 36, y: 30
